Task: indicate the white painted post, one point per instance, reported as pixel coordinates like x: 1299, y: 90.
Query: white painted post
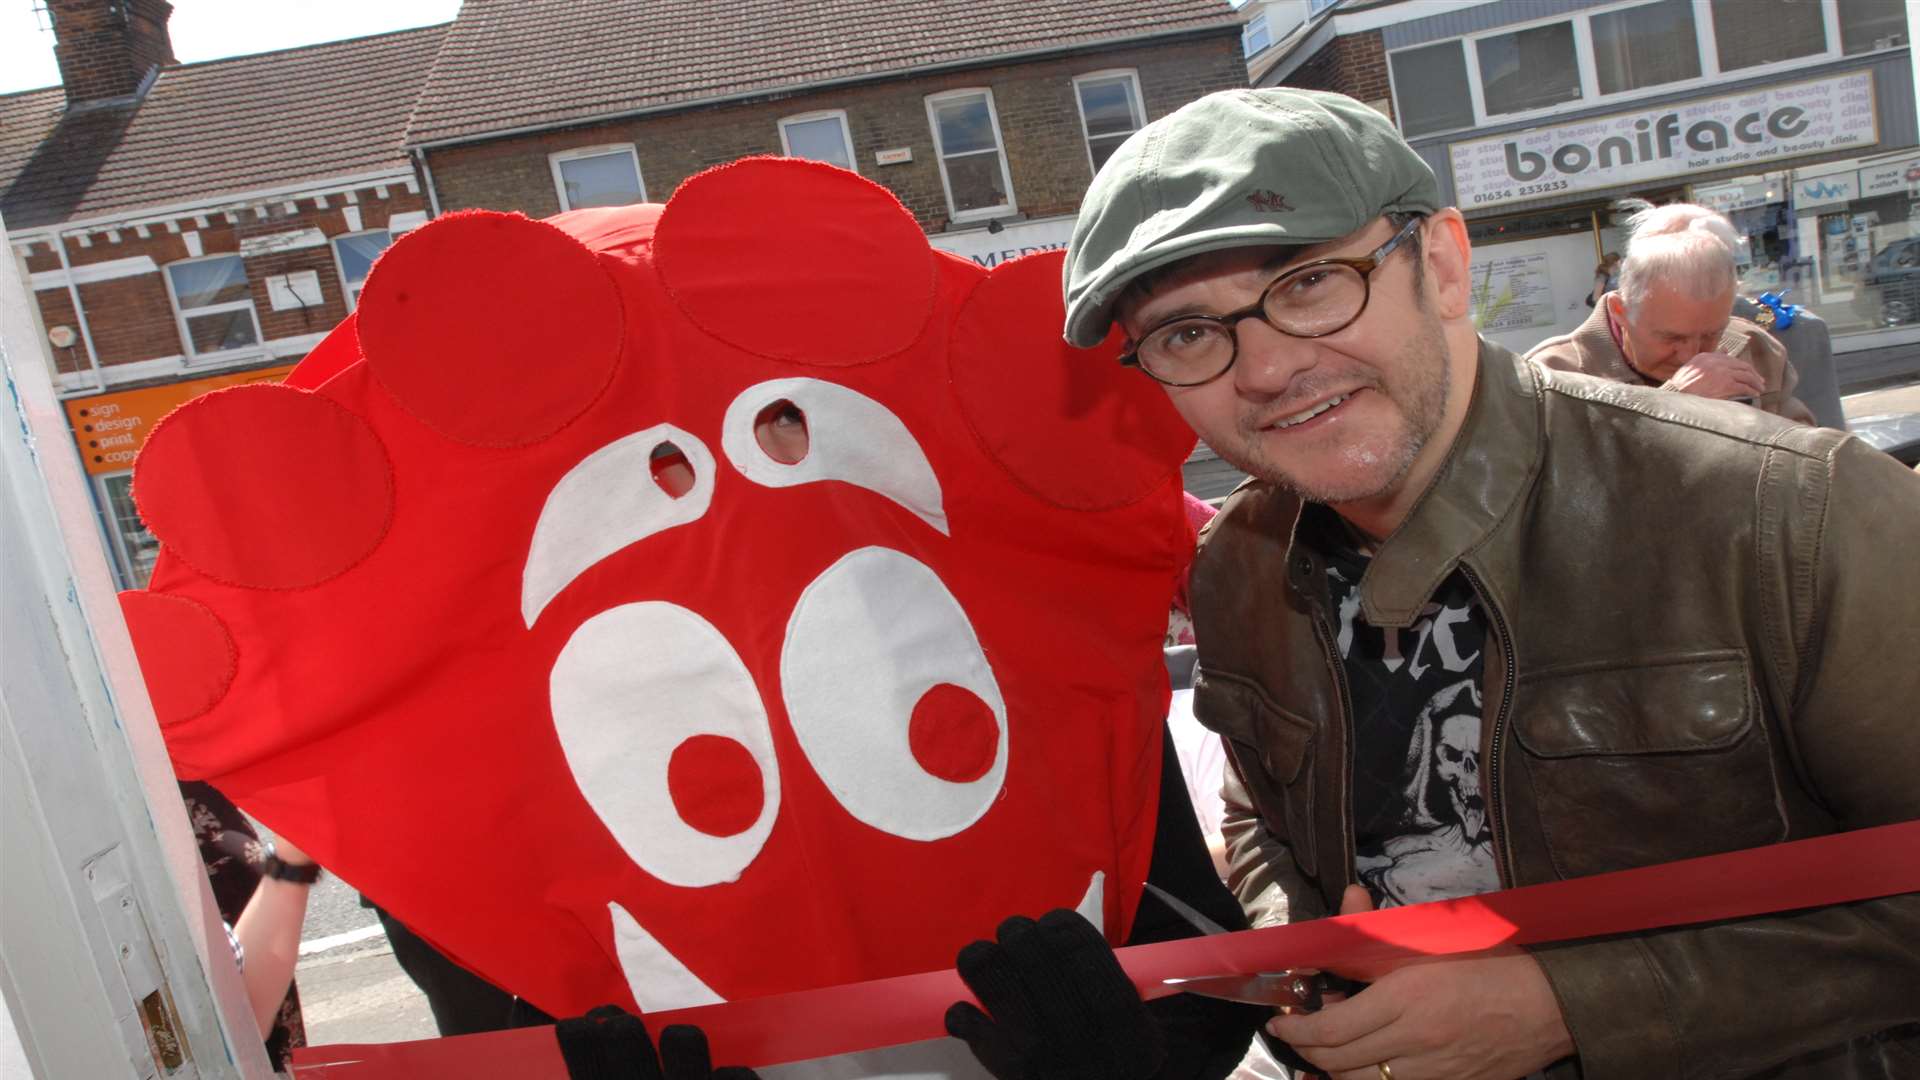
x: 106, y: 918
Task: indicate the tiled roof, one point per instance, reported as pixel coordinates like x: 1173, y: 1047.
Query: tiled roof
x: 510, y: 65
x: 223, y: 127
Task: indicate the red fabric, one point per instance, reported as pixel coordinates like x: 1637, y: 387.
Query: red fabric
x: 361, y: 534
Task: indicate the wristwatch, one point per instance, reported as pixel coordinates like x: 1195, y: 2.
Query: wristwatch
x: 273, y: 866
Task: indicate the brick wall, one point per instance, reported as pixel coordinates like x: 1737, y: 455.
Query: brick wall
x: 1351, y: 64
x: 1039, y: 127
x: 131, y: 318
x: 106, y: 48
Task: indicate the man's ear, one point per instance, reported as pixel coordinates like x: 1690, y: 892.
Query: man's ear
x: 1617, y: 306
x: 1449, y: 257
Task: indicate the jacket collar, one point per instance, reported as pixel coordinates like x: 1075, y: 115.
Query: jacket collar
x: 1491, y: 466
x: 1600, y: 354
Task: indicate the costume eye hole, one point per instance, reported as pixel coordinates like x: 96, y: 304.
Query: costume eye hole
x: 830, y: 433
x: 618, y: 495
x: 672, y: 472
x: 667, y: 739
x: 891, y: 696
x: 780, y: 430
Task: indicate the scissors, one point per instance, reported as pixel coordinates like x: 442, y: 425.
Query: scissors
x: 1296, y: 991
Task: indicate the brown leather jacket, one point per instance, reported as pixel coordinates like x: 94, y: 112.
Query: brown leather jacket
x: 1590, y: 349
x: 1700, y: 628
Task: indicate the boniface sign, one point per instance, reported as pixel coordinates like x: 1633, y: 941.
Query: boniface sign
x: 1759, y: 126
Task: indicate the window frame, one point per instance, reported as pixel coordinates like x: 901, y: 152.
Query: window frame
x: 349, y: 292
x: 984, y: 213
x: 181, y: 314
x: 1247, y: 51
x: 559, y: 157
x: 1590, y: 95
x: 1137, y: 100
x: 814, y: 117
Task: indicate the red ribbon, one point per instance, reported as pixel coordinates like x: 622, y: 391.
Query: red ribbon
x: 1861, y: 865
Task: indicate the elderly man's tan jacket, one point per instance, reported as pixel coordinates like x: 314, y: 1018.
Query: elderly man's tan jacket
x: 1591, y: 350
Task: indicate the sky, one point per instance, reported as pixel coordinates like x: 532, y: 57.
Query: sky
x: 210, y: 29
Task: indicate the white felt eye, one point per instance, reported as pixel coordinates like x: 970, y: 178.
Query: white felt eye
x: 607, y: 501
x: 667, y: 738
x: 891, y: 696
x: 850, y: 437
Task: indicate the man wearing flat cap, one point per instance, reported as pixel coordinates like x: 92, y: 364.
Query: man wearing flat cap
x: 1472, y: 624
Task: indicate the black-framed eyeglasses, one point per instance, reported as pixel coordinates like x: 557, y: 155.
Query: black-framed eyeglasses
x: 1307, y: 301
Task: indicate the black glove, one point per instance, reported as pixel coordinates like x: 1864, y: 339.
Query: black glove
x: 1061, y: 1007
x: 611, y: 1043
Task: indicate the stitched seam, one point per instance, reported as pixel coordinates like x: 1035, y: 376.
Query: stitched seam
x: 1586, y: 667
x: 1806, y: 588
x: 386, y: 523
x: 1771, y: 441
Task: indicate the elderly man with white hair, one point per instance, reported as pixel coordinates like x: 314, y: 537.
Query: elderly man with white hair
x: 1671, y: 322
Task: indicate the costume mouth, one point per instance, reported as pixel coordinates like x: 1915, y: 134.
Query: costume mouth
x: 662, y: 982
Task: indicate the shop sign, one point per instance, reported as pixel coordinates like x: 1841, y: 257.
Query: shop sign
x: 1812, y: 191
x: 1755, y: 127
x: 992, y: 249
x: 1742, y: 194
x: 1891, y: 178
x: 111, y: 428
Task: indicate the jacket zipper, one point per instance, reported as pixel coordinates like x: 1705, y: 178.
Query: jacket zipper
x: 1343, y: 700
x: 1495, y: 804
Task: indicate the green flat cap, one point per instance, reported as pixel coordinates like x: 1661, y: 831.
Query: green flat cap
x: 1238, y: 168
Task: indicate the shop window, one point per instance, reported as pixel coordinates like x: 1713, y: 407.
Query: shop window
x: 1430, y: 89
x: 1866, y: 25
x: 213, y: 305
x: 354, y: 254
x: 133, y: 543
x: 1257, y: 35
x: 819, y: 137
x: 1645, y: 46
x: 1528, y: 69
x: 966, y: 136
x: 1841, y: 238
x: 1109, y: 112
x: 1748, y: 33
x: 597, y: 176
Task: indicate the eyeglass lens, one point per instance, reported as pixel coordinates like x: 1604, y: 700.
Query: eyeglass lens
x: 1309, y: 302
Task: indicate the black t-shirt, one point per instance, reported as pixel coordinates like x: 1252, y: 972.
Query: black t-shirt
x: 1420, y: 824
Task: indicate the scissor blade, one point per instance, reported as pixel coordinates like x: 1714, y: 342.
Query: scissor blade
x: 1263, y: 988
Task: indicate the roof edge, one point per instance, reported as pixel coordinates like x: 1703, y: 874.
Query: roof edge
x: 312, y: 45
x: 1231, y: 24
x: 217, y: 203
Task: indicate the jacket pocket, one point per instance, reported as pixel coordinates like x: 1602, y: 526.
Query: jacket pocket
x: 1282, y: 788
x: 1630, y: 765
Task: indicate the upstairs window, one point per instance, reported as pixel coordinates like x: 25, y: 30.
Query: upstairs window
x: 1257, y: 35
x: 213, y: 305
x: 1430, y: 85
x: 355, y: 253
x: 1866, y: 25
x: 820, y: 136
x: 597, y: 176
x: 1109, y: 112
x: 1748, y: 33
x: 1645, y: 46
x: 966, y: 136
x: 1528, y: 69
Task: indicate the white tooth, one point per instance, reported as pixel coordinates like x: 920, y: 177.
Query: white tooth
x: 659, y: 981
x: 1094, y: 905
x: 1303, y: 417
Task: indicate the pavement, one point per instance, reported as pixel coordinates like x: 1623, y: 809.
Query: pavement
x: 352, y: 990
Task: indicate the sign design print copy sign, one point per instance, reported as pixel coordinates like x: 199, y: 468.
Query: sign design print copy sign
x: 1761, y: 125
